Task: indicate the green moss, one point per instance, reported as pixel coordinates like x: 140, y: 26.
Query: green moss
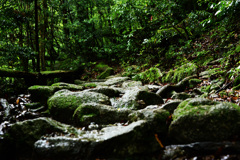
x: 199, y: 106
x: 223, y: 93
x: 90, y: 85
x: 151, y: 75
x: 101, y: 67
x: 108, y: 72
x: 194, y: 82
x: 180, y: 73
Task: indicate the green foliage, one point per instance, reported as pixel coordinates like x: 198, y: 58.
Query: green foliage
x: 181, y: 72
x: 151, y: 75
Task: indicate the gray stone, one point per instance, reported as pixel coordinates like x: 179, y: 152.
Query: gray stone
x: 115, y: 81
x: 138, y: 98
x: 128, y: 84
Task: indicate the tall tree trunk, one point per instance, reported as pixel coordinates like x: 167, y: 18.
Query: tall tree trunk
x: 65, y: 28
x: 36, y: 35
x: 43, y: 36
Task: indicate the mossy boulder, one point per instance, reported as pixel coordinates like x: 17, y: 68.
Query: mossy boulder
x: 200, y: 119
x: 41, y: 93
x: 71, y: 87
x: 22, y: 135
x: 99, y: 113
x: 181, y: 96
x: 64, y: 102
x: 112, y: 142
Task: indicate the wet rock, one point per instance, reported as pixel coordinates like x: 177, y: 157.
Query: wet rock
x: 171, y: 106
x: 200, y: 149
x: 108, y: 91
x: 64, y: 102
x: 138, y: 98
x: 200, y: 119
x: 109, y: 142
x: 182, y: 96
x: 99, y: 113
x: 23, y: 135
x: 128, y: 84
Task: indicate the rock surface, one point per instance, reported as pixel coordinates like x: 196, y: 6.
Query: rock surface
x: 200, y: 119
x: 64, y: 102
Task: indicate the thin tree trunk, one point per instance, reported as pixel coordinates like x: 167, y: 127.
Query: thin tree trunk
x: 36, y: 35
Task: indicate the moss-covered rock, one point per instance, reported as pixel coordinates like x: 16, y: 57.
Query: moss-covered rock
x: 99, y: 113
x: 200, y: 119
x: 23, y: 135
x: 41, y: 93
x: 181, y: 96
x: 71, y: 87
x: 111, y: 142
x: 64, y: 102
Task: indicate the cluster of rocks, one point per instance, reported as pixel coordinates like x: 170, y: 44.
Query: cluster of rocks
x: 119, y: 118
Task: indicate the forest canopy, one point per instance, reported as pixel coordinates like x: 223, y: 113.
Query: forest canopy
x: 38, y: 35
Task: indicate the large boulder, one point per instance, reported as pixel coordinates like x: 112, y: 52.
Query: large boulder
x: 114, y: 141
x: 99, y: 113
x: 42, y: 93
x: 201, y: 119
x: 138, y: 98
x: 64, y: 102
x: 21, y: 136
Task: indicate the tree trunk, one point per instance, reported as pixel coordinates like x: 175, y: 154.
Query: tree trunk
x: 36, y: 35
